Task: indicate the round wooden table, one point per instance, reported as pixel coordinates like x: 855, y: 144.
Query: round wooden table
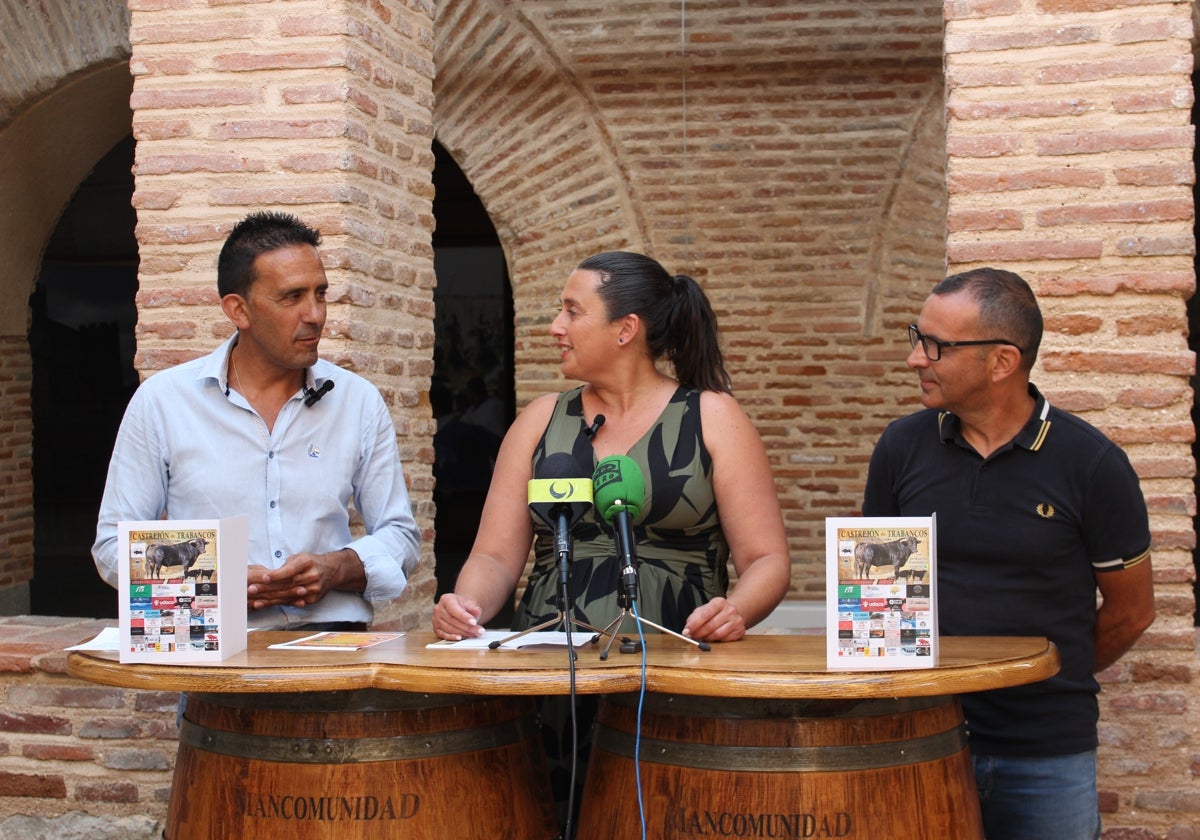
x: 747, y: 739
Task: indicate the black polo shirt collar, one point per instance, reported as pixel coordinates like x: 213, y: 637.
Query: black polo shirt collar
x: 1032, y: 434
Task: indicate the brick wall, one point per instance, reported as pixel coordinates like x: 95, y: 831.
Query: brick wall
x: 815, y: 164
x: 16, y: 469
x: 78, y: 759
x: 787, y: 155
x: 1070, y: 161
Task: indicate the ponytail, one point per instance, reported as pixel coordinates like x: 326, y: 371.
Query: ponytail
x: 679, y: 321
x: 693, y: 345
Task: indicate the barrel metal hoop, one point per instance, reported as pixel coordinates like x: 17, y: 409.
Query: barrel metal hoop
x: 824, y: 759
x: 730, y: 708
x: 354, y: 750
x: 356, y: 700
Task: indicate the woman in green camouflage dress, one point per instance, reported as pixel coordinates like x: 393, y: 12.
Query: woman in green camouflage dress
x: 681, y: 548
x: 710, y: 497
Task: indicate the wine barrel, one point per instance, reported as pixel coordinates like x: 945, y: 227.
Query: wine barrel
x: 713, y: 767
x: 359, y: 764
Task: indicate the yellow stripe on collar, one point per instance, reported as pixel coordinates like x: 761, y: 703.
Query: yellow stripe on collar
x: 1041, y: 436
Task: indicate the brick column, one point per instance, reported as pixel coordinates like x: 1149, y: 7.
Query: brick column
x: 1070, y: 161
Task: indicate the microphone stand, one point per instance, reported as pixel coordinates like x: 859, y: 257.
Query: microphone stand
x: 562, y: 545
x: 625, y: 602
x: 628, y: 595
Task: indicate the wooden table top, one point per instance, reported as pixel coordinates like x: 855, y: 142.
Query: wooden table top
x: 763, y: 666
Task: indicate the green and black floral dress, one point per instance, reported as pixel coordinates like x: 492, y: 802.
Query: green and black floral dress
x: 681, y: 548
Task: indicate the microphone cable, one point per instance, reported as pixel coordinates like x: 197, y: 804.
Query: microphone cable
x: 637, y: 737
x: 567, y: 828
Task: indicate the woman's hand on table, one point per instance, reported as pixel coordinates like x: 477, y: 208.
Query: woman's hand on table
x: 456, y: 618
x: 717, y: 621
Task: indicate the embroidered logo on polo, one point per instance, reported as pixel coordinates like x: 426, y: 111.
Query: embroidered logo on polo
x: 1045, y: 511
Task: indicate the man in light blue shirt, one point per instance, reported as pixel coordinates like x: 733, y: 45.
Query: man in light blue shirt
x: 264, y: 427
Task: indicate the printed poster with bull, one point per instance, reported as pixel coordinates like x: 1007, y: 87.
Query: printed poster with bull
x: 182, y: 596
x: 881, y: 604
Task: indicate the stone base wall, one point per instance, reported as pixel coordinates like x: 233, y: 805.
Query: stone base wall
x: 78, y: 759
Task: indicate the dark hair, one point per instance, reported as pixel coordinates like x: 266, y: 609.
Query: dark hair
x: 258, y: 233
x: 1007, y: 307
x: 678, y: 318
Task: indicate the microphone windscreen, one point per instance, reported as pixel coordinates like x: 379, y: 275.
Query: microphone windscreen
x: 618, y: 484
x: 560, y: 465
x: 559, y: 480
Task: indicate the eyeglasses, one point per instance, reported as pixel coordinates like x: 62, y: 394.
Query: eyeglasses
x: 933, y: 347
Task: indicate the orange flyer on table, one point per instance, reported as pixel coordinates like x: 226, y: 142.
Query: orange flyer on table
x: 334, y: 640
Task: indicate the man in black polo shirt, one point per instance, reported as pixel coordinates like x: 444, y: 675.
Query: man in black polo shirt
x: 1036, y: 509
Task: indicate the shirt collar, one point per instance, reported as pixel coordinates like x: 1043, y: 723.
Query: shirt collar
x: 215, y: 366
x: 1032, y: 435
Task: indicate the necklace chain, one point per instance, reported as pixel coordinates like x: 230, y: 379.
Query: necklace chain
x: 236, y: 379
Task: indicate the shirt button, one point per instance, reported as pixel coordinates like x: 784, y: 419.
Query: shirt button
x: 270, y: 454
x: 272, y: 503
x: 278, y: 554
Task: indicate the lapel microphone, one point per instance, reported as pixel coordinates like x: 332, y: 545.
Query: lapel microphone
x: 590, y: 431
x: 312, y: 395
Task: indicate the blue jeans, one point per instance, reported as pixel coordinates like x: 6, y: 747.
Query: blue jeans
x: 1050, y: 798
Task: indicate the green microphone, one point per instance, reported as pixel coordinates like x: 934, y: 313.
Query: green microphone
x: 619, y: 491
x: 618, y: 486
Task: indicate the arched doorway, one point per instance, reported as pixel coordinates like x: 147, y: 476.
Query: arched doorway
x: 81, y: 341
x: 472, y: 391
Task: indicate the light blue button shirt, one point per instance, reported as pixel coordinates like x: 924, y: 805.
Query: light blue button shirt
x: 189, y: 447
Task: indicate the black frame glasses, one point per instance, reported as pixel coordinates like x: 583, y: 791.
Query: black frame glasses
x: 928, y: 341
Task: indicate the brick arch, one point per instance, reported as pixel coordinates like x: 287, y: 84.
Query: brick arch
x: 47, y: 152
x: 541, y: 162
x: 55, y: 41
x: 908, y: 251
x: 64, y: 103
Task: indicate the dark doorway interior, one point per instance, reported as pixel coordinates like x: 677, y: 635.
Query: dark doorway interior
x: 472, y: 389
x: 82, y: 342
x: 1193, y: 313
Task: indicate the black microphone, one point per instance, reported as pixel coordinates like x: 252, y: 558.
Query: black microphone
x: 312, y: 395
x: 590, y: 431
x: 620, y: 493
x: 559, y: 495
